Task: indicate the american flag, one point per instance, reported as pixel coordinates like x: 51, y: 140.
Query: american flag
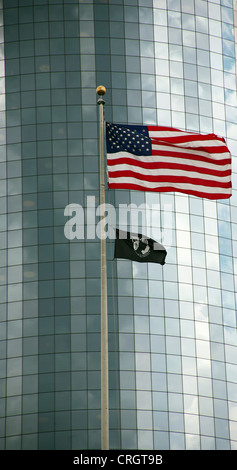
x: 156, y: 158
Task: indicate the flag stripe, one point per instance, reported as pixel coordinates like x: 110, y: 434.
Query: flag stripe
x: 210, y: 193
x: 208, y: 149
x: 174, y: 177
x: 156, y: 186
x: 209, y: 142
x: 185, y: 190
x: 174, y: 170
x: 150, y: 165
x: 211, y: 157
x: 176, y: 139
x: 175, y: 161
x: 169, y: 133
x: 161, y: 151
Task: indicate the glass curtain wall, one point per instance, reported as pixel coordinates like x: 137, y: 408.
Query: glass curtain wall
x: 172, y: 329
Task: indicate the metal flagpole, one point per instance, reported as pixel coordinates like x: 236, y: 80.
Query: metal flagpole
x: 101, y: 90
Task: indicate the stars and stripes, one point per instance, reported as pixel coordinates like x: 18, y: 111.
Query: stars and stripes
x: 156, y: 158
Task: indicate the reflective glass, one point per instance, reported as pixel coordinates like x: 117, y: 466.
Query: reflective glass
x: 173, y: 344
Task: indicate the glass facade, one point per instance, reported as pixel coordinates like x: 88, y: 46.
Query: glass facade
x: 172, y: 329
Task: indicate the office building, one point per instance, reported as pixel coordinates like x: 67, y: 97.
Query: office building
x: 172, y: 328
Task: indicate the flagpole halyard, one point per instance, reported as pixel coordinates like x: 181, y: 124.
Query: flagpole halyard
x: 101, y: 90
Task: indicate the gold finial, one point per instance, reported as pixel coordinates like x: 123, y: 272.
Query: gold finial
x: 101, y: 90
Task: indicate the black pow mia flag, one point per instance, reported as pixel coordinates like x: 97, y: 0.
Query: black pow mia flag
x: 137, y: 247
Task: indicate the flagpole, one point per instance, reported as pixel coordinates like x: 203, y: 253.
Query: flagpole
x: 101, y: 90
